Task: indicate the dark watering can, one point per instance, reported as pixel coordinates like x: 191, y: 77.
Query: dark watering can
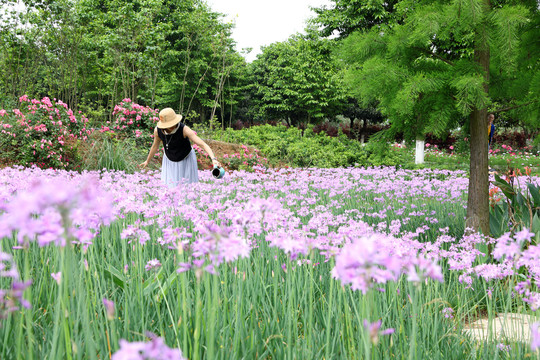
x: 218, y: 172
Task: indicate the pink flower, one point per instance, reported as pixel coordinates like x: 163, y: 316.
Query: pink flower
x: 57, y: 277
x: 109, y: 308
x: 374, y: 331
x: 535, y: 336
x: 155, y: 349
x: 152, y: 264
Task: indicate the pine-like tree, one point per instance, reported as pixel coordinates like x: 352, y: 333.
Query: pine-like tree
x: 431, y: 66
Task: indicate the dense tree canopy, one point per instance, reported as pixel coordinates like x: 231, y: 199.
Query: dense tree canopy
x: 297, y: 80
x: 432, y: 63
x: 93, y: 53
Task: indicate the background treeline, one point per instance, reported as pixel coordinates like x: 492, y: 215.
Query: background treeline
x: 413, y: 66
x: 91, y: 54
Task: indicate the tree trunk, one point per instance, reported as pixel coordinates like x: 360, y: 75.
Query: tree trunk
x: 478, y: 197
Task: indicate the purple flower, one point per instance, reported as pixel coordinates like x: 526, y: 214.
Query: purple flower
x: 523, y: 235
x: 152, y: 264
x: 374, y: 331
x: 535, y: 336
x: 448, y: 313
x: 135, y: 233
x: 57, y: 277
x: 379, y: 258
x: 155, y: 349
x: 15, y: 294
x: 66, y: 208
x: 109, y: 308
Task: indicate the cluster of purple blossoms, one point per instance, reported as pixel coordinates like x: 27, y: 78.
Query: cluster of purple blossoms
x: 155, y: 349
x: 214, y: 245
x: 135, y: 233
x: 10, y: 298
x: 53, y: 210
x: 152, y: 264
x: 371, y: 260
x: 448, y: 312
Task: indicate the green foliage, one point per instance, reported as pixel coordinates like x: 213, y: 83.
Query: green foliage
x: 297, y: 81
x: 93, y: 53
x: 347, y: 16
x: 422, y: 71
x: 381, y: 153
x: 108, y: 152
x: 295, y: 147
x: 518, y: 209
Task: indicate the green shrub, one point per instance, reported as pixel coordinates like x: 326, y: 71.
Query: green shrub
x: 105, y: 151
x: 300, y: 148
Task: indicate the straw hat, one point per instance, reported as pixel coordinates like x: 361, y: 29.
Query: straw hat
x: 168, y: 118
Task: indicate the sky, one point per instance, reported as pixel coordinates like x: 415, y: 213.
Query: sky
x: 263, y: 22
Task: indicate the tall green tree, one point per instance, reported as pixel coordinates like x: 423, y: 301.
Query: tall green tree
x: 347, y: 16
x: 432, y: 67
x: 93, y: 53
x: 297, y: 80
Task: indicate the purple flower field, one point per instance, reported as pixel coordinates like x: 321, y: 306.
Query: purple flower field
x: 272, y: 264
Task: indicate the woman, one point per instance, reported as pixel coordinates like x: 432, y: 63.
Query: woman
x: 491, y: 129
x: 179, y: 162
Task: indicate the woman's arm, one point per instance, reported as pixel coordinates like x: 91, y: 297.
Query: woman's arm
x: 190, y: 134
x: 153, y: 149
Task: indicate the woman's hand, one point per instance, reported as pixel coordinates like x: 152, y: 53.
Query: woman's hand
x: 143, y: 165
x: 215, y: 162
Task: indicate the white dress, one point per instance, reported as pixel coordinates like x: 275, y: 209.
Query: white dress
x: 176, y: 172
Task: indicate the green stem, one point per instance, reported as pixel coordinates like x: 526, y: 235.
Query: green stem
x: 329, y: 318
x: 412, y: 345
x: 58, y: 309
x: 198, y: 313
x: 211, y: 324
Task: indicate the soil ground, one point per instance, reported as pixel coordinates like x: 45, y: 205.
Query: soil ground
x: 506, y: 326
x: 220, y: 148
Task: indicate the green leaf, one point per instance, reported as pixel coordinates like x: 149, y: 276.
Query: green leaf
x: 536, y: 224
x: 167, y: 285
x: 505, y: 187
x: 497, y: 221
x: 115, y: 275
x: 535, y: 193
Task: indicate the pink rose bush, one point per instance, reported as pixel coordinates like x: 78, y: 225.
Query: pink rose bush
x: 134, y: 121
x: 42, y: 132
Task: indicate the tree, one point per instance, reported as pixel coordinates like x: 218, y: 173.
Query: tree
x: 296, y: 80
x: 367, y: 115
x: 348, y: 16
x: 431, y: 67
x: 93, y: 53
